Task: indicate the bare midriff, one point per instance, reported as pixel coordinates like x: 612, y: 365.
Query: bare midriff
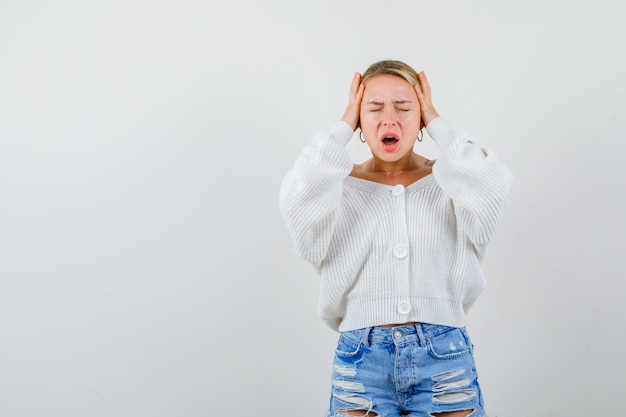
x: 398, y: 325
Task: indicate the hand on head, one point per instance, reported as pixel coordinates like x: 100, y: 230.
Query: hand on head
x: 424, y: 96
x: 425, y: 99
x: 351, y: 115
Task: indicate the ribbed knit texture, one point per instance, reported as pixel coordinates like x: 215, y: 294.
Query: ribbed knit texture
x: 393, y: 254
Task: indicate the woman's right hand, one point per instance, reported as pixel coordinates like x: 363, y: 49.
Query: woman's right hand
x: 353, y: 111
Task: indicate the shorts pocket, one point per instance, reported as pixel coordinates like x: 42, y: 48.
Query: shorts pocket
x: 349, y: 349
x: 450, y: 344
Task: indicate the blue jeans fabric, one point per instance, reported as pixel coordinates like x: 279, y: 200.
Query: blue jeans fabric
x: 409, y: 370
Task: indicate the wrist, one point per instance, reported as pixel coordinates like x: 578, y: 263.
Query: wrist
x: 429, y: 116
x: 349, y: 119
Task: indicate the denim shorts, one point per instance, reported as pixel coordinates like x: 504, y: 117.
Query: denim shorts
x: 410, y: 370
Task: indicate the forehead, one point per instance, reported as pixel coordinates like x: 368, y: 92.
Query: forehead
x: 388, y: 86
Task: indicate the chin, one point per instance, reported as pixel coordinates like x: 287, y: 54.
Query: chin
x: 388, y: 157
x: 392, y: 156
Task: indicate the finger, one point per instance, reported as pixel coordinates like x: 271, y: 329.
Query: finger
x: 423, y: 96
x: 418, y: 91
x: 420, y: 95
x: 359, y: 94
x: 354, y: 87
x: 358, y: 101
x: 423, y: 91
x: 424, y: 82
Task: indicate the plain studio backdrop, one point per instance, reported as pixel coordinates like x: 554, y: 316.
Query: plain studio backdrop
x: 145, y: 269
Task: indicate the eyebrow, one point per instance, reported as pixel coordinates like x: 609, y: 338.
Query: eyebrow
x: 380, y: 103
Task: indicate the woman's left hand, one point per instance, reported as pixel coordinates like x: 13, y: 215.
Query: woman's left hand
x: 424, y: 97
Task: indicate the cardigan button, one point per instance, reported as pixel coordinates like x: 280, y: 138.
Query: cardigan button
x: 404, y: 307
x: 397, y: 190
x: 400, y: 251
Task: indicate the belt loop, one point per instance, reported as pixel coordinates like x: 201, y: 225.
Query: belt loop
x: 366, y: 336
x: 420, y: 334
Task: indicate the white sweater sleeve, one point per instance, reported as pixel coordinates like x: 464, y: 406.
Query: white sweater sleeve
x: 473, y: 178
x: 311, y: 192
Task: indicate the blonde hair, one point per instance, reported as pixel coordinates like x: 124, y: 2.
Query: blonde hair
x: 391, y: 67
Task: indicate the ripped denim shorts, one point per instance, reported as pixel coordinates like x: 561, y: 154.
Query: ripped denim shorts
x: 411, y: 370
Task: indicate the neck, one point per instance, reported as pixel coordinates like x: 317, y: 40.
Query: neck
x: 408, y: 162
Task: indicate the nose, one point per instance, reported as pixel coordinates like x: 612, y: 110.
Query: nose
x: 389, y: 117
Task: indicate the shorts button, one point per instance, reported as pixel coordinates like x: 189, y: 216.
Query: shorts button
x: 397, y: 334
x: 404, y: 307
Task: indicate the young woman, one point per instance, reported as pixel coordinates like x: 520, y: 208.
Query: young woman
x: 397, y: 241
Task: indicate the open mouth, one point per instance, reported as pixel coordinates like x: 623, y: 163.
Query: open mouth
x: 390, y: 143
x: 389, y: 140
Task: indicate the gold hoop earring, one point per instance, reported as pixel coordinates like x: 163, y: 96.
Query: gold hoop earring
x: 361, y: 137
x: 420, y: 135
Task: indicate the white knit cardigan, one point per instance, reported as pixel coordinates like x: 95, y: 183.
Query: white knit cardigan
x: 394, y: 254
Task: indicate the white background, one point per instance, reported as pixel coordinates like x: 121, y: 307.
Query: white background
x: 144, y: 266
